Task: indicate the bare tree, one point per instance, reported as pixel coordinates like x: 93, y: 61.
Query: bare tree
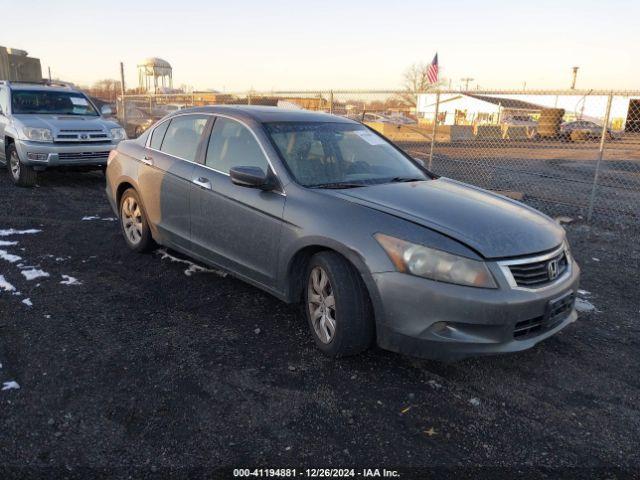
x: 106, y: 90
x: 415, y: 80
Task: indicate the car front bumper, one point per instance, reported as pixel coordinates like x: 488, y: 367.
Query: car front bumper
x: 436, y: 320
x: 45, y: 155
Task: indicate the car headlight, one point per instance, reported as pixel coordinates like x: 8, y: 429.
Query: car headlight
x: 118, y: 134
x: 435, y: 264
x: 37, y: 134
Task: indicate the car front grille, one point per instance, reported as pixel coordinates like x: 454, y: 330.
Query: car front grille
x: 79, y: 156
x: 88, y: 135
x: 555, y: 313
x: 539, y: 273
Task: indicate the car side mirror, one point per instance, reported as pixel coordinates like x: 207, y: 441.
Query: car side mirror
x: 252, y: 177
x: 106, y: 110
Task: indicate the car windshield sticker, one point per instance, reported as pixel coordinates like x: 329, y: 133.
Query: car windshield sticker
x: 369, y: 137
x: 79, y: 101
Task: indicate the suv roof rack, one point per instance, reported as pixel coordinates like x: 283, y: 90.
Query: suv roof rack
x: 45, y: 82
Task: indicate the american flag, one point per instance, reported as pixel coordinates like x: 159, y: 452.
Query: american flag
x: 432, y: 71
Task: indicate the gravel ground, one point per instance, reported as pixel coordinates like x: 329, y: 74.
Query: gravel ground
x: 139, y: 366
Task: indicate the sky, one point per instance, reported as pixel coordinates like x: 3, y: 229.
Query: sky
x: 351, y: 44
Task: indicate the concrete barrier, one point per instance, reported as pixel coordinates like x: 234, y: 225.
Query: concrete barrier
x: 402, y: 133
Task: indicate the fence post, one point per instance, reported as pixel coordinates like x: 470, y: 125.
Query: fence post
x: 603, y: 137
x: 331, y: 102
x: 435, y: 127
x: 249, y: 98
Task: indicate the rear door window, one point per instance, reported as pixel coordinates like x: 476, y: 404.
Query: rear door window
x: 158, y: 135
x: 183, y: 135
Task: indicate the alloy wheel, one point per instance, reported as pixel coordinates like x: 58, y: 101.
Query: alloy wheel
x: 132, y: 220
x: 321, y: 304
x: 14, y: 165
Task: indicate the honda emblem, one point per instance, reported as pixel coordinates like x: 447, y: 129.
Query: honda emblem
x: 552, y: 269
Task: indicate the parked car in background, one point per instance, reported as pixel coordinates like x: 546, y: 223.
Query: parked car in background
x: 322, y: 210
x: 583, y: 130
x: 173, y: 107
x: 45, y: 125
x: 373, y: 117
x: 137, y: 122
x: 519, y: 121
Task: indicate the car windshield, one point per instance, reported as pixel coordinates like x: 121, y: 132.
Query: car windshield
x: 51, y: 103
x: 339, y: 155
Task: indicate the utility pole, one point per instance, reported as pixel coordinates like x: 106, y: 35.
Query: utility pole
x: 49, y: 68
x: 575, y: 76
x: 122, y: 92
x: 466, y: 81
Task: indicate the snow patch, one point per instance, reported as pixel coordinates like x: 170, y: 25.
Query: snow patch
x: 34, y: 273
x: 68, y: 280
x: 10, y: 385
x: 193, y: 268
x: 6, y: 286
x: 97, y: 217
x: 7, y: 243
x: 12, y: 231
x: 4, y: 255
x: 475, y: 402
x: 583, y: 305
x: 27, y: 302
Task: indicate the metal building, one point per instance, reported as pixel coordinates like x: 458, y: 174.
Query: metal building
x: 16, y: 65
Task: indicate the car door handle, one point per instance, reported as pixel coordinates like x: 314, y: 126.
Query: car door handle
x: 203, y: 182
x: 147, y: 159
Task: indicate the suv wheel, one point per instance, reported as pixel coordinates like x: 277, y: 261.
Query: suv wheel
x: 337, y: 306
x: 133, y: 222
x: 22, y: 175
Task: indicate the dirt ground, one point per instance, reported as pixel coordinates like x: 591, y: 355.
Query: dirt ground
x: 125, y: 361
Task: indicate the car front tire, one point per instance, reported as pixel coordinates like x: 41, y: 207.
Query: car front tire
x: 22, y: 175
x: 133, y: 222
x: 337, y: 306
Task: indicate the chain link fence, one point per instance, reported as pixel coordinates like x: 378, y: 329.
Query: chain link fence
x: 565, y: 152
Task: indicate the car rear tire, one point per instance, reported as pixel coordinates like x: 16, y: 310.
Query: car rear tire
x: 22, y: 175
x: 337, y: 306
x: 133, y: 222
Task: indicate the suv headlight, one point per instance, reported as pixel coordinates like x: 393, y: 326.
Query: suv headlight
x: 435, y: 264
x: 118, y: 134
x: 37, y: 134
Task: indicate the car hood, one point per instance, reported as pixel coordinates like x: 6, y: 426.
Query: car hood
x: 55, y: 123
x: 492, y: 225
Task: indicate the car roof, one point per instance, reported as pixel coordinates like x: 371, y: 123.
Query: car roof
x: 264, y: 114
x: 40, y: 87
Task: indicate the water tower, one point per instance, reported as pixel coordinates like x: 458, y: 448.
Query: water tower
x: 155, y: 74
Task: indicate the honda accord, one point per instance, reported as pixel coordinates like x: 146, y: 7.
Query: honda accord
x: 322, y: 210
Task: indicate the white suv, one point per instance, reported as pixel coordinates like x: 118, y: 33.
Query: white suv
x: 44, y: 125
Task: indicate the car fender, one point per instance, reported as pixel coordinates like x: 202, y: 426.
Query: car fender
x: 290, y: 286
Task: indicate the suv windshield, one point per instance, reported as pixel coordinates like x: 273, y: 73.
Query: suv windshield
x: 50, y: 102
x: 332, y: 155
